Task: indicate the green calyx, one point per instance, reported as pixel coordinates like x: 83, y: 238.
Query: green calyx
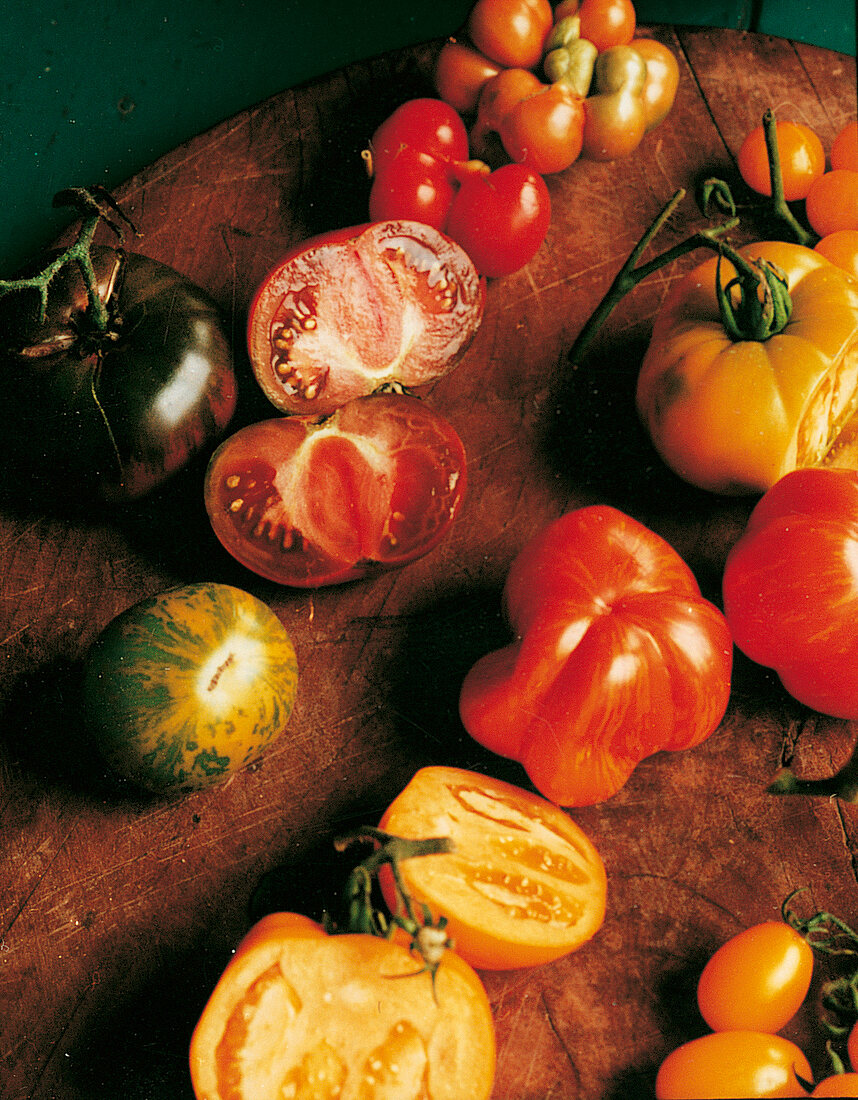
x: 94, y: 205
x: 755, y: 304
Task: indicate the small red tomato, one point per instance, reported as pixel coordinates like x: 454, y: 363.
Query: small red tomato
x: 728, y: 1064
x: 411, y: 185
x: 511, y: 32
x: 832, y: 202
x: 429, y: 125
x: 607, y: 23
x: 501, y: 219
x: 801, y: 155
x: 757, y: 980
x: 461, y: 72
x: 844, y: 150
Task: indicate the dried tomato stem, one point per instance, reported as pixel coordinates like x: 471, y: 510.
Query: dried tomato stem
x: 843, y: 784
x: 93, y: 204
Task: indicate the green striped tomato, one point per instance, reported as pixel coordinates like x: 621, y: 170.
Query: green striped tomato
x: 189, y: 686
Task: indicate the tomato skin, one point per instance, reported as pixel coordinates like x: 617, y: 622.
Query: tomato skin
x: 461, y: 73
x: 852, y: 1047
x: 497, y: 98
x: 413, y: 186
x: 428, y: 125
x: 109, y: 437
x: 615, y: 116
x: 662, y: 79
x: 511, y: 32
x: 844, y: 149
x: 375, y: 486
x: 790, y: 592
x: 801, y: 154
x: 187, y: 687
x: 544, y: 131
x: 757, y: 980
x: 508, y: 905
x: 501, y: 219
x: 596, y: 679
x: 734, y: 416
x: 832, y: 202
x: 607, y: 23
x: 841, y: 247
x: 290, y: 1014
x: 838, y: 1084
x: 314, y: 345
x: 733, y: 1064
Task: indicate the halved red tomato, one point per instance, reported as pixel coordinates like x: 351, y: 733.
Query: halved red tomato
x: 346, y: 313
x: 373, y: 487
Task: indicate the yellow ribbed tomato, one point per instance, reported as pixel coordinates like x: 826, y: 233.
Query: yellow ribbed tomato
x: 734, y: 416
x: 187, y: 687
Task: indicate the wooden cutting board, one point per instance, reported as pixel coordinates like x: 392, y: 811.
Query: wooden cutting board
x: 119, y: 912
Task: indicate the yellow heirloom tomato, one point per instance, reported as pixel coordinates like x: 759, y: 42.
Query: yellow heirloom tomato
x: 734, y: 415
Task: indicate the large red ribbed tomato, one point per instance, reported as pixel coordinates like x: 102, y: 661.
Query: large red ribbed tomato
x: 374, y: 486
x: 341, y: 315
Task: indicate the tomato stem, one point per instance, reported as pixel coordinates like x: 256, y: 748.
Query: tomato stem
x: 632, y: 272
x: 780, y: 207
x: 843, y: 784
x: 95, y: 205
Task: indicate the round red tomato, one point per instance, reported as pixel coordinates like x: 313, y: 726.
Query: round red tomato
x: 791, y: 587
x: 801, y: 155
x: 757, y: 980
x: 501, y: 219
x: 728, y: 1064
x: 187, y: 687
x: 302, y: 503
x: 461, y: 72
x: 832, y: 202
x: 607, y: 23
x: 523, y: 885
x: 428, y: 125
x: 344, y: 314
x: 511, y: 32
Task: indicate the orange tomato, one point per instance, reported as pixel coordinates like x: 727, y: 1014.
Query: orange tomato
x: 832, y: 202
x: 607, y: 23
x: 511, y: 32
x: 852, y: 1048
x: 297, y: 1012
x: 729, y: 1064
x: 801, y: 155
x: 844, y: 150
x: 545, y: 131
x: 841, y: 247
x: 524, y: 884
x: 757, y: 980
x: 461, y: 72
x: 838, y: 1084
x: 662, y: 79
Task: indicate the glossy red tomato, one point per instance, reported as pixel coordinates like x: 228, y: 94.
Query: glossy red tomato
x: 429, y: 125
x: 801, y: 155
x: 725, y: 1065
x: 511, y: 32
x: 791, y: 587
x: 757, y: 980
x: 501, y: 219
x: 607, y: 23
x: 376, y: 485
x: 461, y: 72
x: 832, y: 202
x: 344, y: 314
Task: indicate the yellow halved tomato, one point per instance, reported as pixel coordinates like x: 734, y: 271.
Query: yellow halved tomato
x: 301, y: 1013
x: 524, y: 884
x: 734, y: 416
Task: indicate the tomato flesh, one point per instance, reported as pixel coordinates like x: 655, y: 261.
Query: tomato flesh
x: 375, y: 486
x: 524, y: 884
x: 353, y: 1017
x: 395, y: 302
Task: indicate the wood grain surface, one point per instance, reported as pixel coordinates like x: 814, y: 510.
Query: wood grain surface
x: 118, y: 911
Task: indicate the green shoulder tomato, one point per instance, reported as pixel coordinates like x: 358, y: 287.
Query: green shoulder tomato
x: 187, y: 687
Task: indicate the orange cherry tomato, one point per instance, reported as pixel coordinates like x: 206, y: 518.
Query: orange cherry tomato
x: 607, y: 23
x: 801, y: 154
x: 511, y: 32
x: 852, y: 1047
x: 844, y: 150
x: 461, y: 72
x: 729, y: 1064
x: 841, y: 247
x: 545, y: 131
x: 757, y: 980
x: 838, y: 1084
x: 297, y: 1012
x: 832, y: 202
x: 524, y: 884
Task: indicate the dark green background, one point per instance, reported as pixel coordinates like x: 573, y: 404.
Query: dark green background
x: 90, y: 92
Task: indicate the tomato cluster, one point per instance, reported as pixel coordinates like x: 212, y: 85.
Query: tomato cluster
x: 748, y: 992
